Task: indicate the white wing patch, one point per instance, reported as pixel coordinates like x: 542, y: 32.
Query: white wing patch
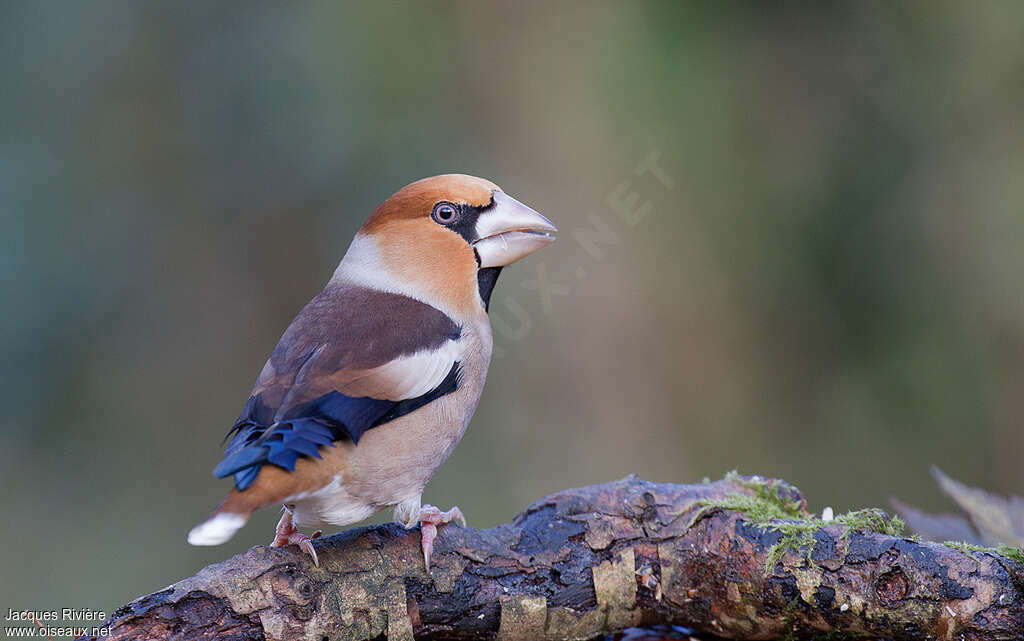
x: 407, y: 376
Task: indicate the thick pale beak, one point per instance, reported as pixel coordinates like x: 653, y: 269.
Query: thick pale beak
x: 509, y: 230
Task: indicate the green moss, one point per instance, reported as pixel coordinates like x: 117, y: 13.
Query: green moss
x: 1007, y: 551
x: 966, y: 548
x: 796, y: 535
x: 1011, y: 552
x: 758, y: 509
x: 770, y: 491
x: 763, y: 488
x: 767, y: 509
x: 871, y: 519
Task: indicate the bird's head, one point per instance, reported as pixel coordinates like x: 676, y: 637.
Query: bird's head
x: 443, y: 240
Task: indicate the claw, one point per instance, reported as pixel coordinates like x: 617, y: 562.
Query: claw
x: 430, y: 518
x: 306, y: 545
x: 288, y: 534
x: 457, y: 513
x: 429, y: 533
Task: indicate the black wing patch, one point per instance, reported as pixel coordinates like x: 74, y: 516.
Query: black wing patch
x: 256, y: 439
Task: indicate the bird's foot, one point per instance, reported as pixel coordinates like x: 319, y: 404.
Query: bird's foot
x: 430, y: 518
x: 288, y: 534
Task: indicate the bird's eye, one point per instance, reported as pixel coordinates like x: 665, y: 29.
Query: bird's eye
x: 444, y: 213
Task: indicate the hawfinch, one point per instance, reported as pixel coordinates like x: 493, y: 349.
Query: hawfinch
x: 374, y: 383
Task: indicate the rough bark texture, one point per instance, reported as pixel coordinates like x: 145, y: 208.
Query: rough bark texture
x: 585, y: 562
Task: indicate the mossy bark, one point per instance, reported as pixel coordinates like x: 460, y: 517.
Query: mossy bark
x: 586, y: 562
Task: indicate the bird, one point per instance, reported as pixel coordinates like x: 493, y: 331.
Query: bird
x: 376, y: 379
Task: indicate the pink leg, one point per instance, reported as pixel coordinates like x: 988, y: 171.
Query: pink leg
x: 430, y: 518
x: 287, y: 534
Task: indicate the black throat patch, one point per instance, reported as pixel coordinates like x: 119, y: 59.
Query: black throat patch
x: 486, y: 277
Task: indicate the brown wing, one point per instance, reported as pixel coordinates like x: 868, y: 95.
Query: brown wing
x: 353, y: 358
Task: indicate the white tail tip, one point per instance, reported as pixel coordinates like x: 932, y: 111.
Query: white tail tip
x: 217, y: 529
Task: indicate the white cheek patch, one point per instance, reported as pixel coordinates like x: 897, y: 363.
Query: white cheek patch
x: 362, y: 265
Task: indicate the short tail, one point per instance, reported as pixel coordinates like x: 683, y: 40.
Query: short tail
x: 217, y: 529
x: 274, y: 485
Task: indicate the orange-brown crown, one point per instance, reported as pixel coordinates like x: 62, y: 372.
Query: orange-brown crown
x: 417, y: 199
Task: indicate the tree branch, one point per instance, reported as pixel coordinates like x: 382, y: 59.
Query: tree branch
x: 586, y: 562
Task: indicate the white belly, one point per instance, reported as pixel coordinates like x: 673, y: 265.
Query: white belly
x: 330, y: 505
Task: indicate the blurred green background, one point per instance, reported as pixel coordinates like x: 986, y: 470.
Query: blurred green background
x: 830, y: 292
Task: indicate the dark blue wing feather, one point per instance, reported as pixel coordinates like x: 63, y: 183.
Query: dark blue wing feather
x: 300, y: 445
x: 241, y: 459
x: 244, y: 478
x: 256, y: 439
